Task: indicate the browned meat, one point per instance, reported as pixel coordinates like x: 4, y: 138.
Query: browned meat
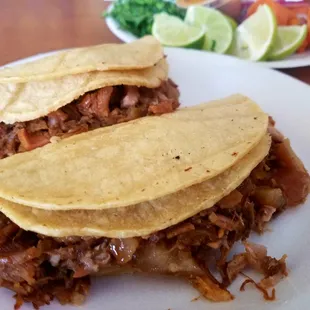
x: 291, y: 174
x: 56, y: 119
x: 36, y: 125
x: 99, y: 108
x: 131, y: 98
x: 222, y: 221
x: 96, y: 103
x: 238, y: 263
x: 267, y: 297
x: 272, y: 269
x: 211, y: 290
x: 268, y: 196
x: 266, y: 213
x: 123, y: 249
x: 231, y: 200
x: 274, y: 132
x: 39, y: 268
x: 165, y: 106
x: 30, y: 141
x: 179, y: 229
x: 10, y: 229
x: 167, y: 91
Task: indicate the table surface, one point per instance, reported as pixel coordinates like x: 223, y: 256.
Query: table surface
x: 28, y: 27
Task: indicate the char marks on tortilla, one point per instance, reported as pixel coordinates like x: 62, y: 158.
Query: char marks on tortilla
x: 137, y: 161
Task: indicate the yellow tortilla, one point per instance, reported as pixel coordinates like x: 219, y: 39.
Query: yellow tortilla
x: 137, y: 161
x: 140, y: 54
x: 140, y: 219
x: 27, y: 101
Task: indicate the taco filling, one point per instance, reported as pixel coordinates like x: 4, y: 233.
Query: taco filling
x: 158, y: 195
x: 103, y: 107
x: 40, y: 268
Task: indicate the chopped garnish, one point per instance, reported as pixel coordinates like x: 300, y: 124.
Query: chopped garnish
x: 136, y: 16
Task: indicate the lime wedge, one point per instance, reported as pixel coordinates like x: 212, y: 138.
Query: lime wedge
x: 172, y: 31
x: 233, y: 23
x: 287, y: 41
x: 218, y: 29
x: 254, y: 37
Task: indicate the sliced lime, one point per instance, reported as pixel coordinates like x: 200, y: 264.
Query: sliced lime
x: 233, y: 23
x: 172, y: 31
x: 254, y: 37
x: 287, y: 41
x: 219, y: 30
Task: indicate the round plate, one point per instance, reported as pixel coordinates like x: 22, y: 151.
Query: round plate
x: 202, y: 77
x: 294, y: 61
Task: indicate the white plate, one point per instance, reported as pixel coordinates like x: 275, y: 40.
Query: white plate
x: 202, y: 77
x: 294, y: 61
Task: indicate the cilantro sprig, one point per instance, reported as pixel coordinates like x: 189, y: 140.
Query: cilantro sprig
x: 136, y: 16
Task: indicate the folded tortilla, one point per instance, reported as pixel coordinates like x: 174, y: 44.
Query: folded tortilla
x: 174, y: 234
x: 137, y: 161
x: 142, y: 53
x: 27, y: 101
x: 140, y: 219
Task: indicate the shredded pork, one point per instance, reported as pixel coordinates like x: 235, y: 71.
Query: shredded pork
x: 39, y: 268
x: 103, y: 107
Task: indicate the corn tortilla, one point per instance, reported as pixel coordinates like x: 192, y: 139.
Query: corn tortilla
x: 27, y: 101
x: 140, y: 54
x: 140, y: 219
x: 137, y: 161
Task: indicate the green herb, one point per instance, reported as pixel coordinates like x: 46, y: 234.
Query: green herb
x: 136, y: 16
x: 213, y: 45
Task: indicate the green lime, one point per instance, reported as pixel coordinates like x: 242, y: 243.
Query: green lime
x: 233, y: 23
x: 172, y: 31
x: 287, y: 41
x: 254, y: 38
x: 219, y: 30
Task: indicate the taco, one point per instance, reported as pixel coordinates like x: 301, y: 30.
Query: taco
x: 34, y: 113
x: 100, y: 175
x: 54, y: 252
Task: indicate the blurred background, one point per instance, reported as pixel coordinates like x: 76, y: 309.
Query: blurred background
x: 29, y: 27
